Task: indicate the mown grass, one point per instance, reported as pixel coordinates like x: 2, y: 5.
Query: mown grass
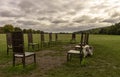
x: 104, y: 63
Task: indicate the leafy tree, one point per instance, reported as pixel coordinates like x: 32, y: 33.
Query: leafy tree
x: 24, y: 30
x: 38, y: 31
x: 29, y: 31
x: 17, y: 29
x: 8, y: 28
x: 1, y: 30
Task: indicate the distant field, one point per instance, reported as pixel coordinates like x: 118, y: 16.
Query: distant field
x: 104, y: 63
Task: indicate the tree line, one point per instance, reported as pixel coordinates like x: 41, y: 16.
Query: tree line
x: 111, y: 30
x: 10, y: 28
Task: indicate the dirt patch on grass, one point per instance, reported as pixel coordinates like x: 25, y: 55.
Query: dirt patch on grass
x: 48, y: 60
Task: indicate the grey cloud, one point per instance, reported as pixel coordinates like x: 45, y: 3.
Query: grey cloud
x: 112, y: 20
x: 59, y: 15
x: 39, y: 6
x: 27, y: 22
x: 59, y: 21
x: 26, y: 6
x: 82, y: 19
x: 3, y: 22
x: 115, y: 14
x: 72, y: 28
x: 7, y: 13
x: 45, y: 18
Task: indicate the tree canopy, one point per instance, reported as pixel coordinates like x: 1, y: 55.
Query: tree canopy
x: 10, y: 28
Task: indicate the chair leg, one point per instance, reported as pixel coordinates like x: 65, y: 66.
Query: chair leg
x: 68, y: 57
x: 7, y: 51
x: 33, y: 47
x: 23, y: 61
x: 13, y: 60
x: 28, y: 47
x: 35, y: 58
x: 81, y: 58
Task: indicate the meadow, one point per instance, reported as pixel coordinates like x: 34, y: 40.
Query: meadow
x: 104, y: 63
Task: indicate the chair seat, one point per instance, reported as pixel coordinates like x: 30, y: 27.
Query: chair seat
x: 26, y: 54
x: 78, y: 46
x: 33, y: 43
x: 45, y: 41
x: 74, y: 51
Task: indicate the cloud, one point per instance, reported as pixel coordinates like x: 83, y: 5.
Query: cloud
x: 112, y: 20
x: 28, y: 22
x: 7, y: 13
x: 60, y: 15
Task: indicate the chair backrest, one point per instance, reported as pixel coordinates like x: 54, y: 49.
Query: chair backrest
x: 9, y: 39
x: 84, y: 38
x: 56, y: 36
x: 42, y: 37
x: 73, y: 36
x: 30, y: 38
x: 50, y: 37
x: 18, y: 42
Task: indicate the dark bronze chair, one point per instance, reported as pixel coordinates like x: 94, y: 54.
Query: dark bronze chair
x: 30, y: 42
x: 43, y: 42
x: 18, y: 48
x: 85, y: 39
x: 77, y: 52
x: 56, y: 37
x: 9, y: 42
x: 50, y: 37
x: 51, y: 42
x: 73, y: 40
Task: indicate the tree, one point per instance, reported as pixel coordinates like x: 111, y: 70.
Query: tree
x: 38, y: 31
x: 1, y: 30
x: 8, y: 28
x: 29, y: 31
x: 17, y: 29
x: 24, y: 30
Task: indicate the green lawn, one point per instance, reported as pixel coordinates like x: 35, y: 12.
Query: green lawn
x: 104, y: 63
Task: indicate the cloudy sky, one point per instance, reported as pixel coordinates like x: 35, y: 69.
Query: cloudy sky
x: 59, y: 15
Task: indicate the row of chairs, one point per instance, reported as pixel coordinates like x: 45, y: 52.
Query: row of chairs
x: 15, y: 41
x: 30, y: 41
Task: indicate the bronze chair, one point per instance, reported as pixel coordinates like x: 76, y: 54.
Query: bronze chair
x: 51, y: 42
x: 30, y: 42
x: 18, y: 48
x: 56, y: 37
x: 9, y: 42
x: 43, y: 42
x: 77, y: 52
x: 73, y: 40
x: 85, y: 40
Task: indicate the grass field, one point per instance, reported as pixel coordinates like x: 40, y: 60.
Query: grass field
x: 104, y: 63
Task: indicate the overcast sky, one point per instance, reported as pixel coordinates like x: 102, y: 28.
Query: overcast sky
x: 59, y: 15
